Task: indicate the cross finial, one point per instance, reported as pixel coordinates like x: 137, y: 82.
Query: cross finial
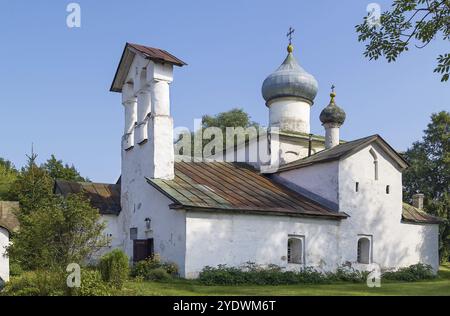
x: 289, y: 34
x: 332, y: 94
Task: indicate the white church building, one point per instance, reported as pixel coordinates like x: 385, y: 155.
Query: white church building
x: 317, y: 202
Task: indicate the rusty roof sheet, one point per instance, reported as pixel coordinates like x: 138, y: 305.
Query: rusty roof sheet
x: 104, y: 197
x: 410, y: 214
x: 157, y: 54
x: 8, y: 219
x: 344, y: 150
x: 130, y: 50
x: 235, y: 187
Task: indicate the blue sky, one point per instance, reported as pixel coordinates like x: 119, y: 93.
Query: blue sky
x: 55, y: 80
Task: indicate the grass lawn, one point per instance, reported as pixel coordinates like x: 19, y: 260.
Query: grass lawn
x: 438, y: 286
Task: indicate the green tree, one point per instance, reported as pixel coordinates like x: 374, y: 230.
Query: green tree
x: 33, y: 186
x: 233, y: 118
x: 408, y: 21
x: 430, y: 173
x: 8, y: 174
x: 60, y: 231
x: 58, y: 170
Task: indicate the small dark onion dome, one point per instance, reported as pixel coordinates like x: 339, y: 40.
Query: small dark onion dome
x: 332, y: 113
x: 290, y: 80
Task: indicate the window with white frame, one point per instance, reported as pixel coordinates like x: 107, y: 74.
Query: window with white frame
x: 296, y: 249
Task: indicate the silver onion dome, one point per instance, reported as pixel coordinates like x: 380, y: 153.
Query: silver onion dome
x: 332, y: 113
x: 290, y: 80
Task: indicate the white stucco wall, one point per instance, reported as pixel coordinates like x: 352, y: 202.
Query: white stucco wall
x: 140, y: 201
x: 321, y: 179
x: 233, y: 239
x: 374, y: 212
x: 4, y: 260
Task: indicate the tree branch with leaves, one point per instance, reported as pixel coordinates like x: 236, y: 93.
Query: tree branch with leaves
x: 408, y: 22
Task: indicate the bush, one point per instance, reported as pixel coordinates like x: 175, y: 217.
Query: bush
x: 253, y: 274
x: 412, y: 273
x: 145, y: 269
x: 15, y: 269
x: 348, y: 274
x: 158, y: 274
x: 257, y: 275
x: 114, y: 268
x: 92, y: 285
x: 36, y: 283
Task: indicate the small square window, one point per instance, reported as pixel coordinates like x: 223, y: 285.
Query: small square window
x: 133, y: 233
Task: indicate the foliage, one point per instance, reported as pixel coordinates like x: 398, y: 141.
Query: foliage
x: 158, y: 274
x: 36, y: 283
x: 251, y: 273
x: 92, y: 285
x: 59, y: 232
x: 14, y: 268
x: 114, y: 268
x: 53, y: 283
x: 233, y: 118
x: 33, y: 187
x: 56, y: 169
x: 146, y: 268
x: 8, y: 174
x: 429, y: 173
x: 408, y: 20
x: 415, y: 272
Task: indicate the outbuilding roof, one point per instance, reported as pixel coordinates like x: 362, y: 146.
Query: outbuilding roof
x: 412, y: 214
x: 235, y: 188
x: 104, y: 197
x: 344, y: 150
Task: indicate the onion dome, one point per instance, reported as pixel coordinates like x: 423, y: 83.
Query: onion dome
x: 290, y: 80
x: 332, y: 113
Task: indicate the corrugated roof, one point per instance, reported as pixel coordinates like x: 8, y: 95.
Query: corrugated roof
x: 130, y: 50
x: 235, y: 187
x: 414, y: 215
x: 104, y: 197
x: 344, y: 150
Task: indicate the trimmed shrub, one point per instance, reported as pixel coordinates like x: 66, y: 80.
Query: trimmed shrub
x: 143, y: 269
x: 412, y: 273
x: 114, y: 268
x: 254, y: 274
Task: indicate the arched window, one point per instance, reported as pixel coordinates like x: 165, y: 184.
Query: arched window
x: 375, y: 163
x: 295, y: 250
x: 364, y: 250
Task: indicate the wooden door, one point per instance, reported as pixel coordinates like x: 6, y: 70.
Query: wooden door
x: 142, y: 249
